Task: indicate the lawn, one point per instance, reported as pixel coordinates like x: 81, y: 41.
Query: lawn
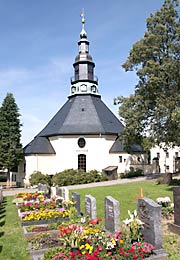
x: 14, y: 247
x: 126, y: 194
x: 12, y: 243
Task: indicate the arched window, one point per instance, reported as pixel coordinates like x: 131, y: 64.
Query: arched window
x: 82, y: 162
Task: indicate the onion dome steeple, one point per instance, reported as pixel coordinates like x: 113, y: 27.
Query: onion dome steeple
x: 84, y: 81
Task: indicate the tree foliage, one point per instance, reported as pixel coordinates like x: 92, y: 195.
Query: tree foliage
x: 152, y: 113
x: 10, y: 134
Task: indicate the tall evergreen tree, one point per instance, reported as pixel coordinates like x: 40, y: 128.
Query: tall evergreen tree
x: 10, y: 134
x: 152, y: 113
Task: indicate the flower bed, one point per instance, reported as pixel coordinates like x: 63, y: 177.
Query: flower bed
x: 90, y: 241
x: 31, y: 196
x: 43, y: 240
x: 34, y: 229
x: 39, y: 243
x: 167, y: 207
x: 45, y: 210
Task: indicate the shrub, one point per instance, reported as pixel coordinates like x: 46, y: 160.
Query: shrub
x: 133, y: 173
x: 3, y: 178
x: 175, y: 182
x: 38, y: 177
x: 72, y: 177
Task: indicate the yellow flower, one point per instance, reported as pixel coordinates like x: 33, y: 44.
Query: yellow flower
x: 121, y: 241
x: 87, y: 246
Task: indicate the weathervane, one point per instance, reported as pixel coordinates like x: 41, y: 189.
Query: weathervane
x: 83, y: 16
x: 83, y: 32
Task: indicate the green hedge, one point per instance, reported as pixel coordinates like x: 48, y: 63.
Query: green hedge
x: 132, y: 173
x: 72, y: 177
x: 38, y: 177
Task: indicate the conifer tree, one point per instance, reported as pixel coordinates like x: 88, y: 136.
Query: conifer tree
x: 10, y: 134
x: 152, y: 113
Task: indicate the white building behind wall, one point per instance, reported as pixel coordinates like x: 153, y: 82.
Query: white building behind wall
x: 166, y: 160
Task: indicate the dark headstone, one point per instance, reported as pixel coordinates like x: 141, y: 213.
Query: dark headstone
x: 176, y: 195
x: 1, y: 194
x: 149, y: 213
x: 175, y: 227
x: 76, y: 199
x: 167, y: 178
x: 112, y: 214
x: 90, y: 206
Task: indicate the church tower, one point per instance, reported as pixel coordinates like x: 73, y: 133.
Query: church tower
x: 84, y: 81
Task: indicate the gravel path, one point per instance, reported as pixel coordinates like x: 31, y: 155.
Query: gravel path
x: 13, y: 191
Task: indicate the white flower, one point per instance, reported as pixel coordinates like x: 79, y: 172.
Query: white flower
x: 163, y: 200
x: 127, y: 221
x: 139, y: 222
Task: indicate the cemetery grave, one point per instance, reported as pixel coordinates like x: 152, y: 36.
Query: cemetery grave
x: 149, y: 213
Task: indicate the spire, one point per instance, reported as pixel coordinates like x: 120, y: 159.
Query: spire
x: 84, y: 81
x: 83, y: 32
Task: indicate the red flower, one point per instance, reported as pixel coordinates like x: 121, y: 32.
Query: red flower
x: 95, y: 221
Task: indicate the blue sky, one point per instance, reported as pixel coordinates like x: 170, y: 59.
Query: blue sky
x: 39, y: 43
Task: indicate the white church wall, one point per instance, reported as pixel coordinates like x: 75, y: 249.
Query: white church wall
x: 42, y: 163
x: 96, y: 150
x: 67, y: 150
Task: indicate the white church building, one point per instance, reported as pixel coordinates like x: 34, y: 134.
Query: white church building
x: 84, y: 133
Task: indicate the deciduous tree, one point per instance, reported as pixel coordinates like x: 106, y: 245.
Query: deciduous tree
x: 153, y: 111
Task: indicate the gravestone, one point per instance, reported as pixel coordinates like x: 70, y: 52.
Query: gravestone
x: 39, y: 187
x: 44, y: 188
x: 59, y: 191
x: 149, y: 213
x: 112, y: 214
x: 65, y: 193
x: 76, y: 199
x: 90, y: 206
x: 175, y: 227
x: 62, y: 192
x: 1, y: 194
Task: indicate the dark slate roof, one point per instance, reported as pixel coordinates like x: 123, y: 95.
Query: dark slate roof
x: 39, y: 145
x: 83, y: 114
x: 119, y: 147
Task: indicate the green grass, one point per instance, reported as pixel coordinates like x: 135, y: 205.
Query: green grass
x: 126, y: 194
x: 12, y: 243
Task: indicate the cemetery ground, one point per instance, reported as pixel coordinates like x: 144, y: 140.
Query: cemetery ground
x: 13, y: 245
